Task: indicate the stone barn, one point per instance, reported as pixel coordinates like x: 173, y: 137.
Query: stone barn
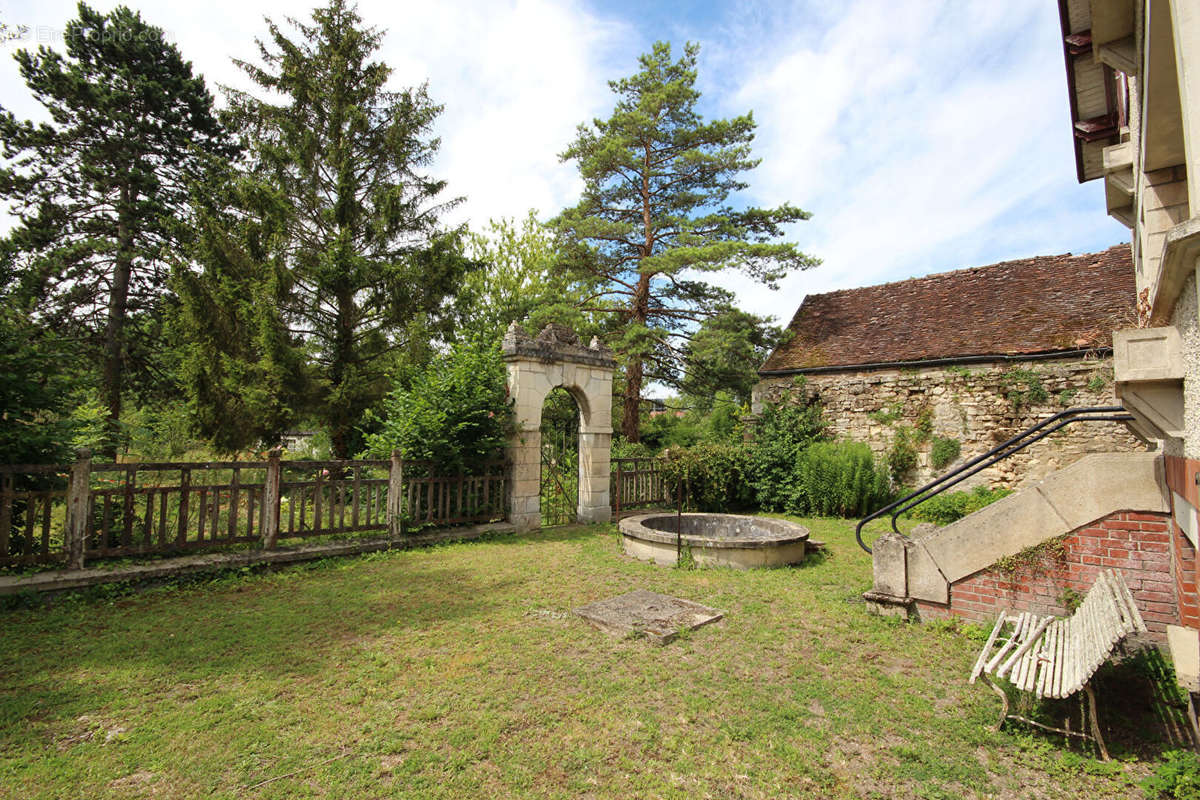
x: 931, y: 371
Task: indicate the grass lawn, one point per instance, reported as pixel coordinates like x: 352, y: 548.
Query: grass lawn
x: 458, y: 671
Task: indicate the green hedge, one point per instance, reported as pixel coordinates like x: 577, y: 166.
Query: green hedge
x: 951, y: 506
x: 714, y: 476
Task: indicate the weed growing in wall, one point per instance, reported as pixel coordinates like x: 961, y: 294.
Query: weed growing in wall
x: 1023, y: 388
x: 1098, y: 381
x: 944, y: 451
x: 924, y: 424
x: 902, y: 455
x: 888, y: 414
x: 1035, y: 560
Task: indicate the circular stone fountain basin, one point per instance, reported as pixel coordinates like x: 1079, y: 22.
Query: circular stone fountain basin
x: 715, y: 540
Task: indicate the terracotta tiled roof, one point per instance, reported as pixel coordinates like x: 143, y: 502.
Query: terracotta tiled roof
x: 1033, y: 305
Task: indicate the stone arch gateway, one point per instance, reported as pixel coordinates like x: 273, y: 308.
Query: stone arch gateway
x: 536, y: 365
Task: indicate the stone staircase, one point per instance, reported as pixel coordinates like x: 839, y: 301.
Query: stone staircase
x: 925, y: 568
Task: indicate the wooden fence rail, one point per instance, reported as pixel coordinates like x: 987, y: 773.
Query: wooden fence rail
x: 71, y: 513
x: 637, y: 483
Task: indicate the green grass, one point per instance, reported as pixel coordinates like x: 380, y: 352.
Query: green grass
x: 458, y: 671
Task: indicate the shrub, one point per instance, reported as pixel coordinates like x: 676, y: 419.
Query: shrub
x: 948, y: 507
x: 1176, y: 778
x: 783, y: 430
x: 713, y: 476
x: 623, y: 448
x: 455, y: 412
x: 944, y: 451
x: 838, y: 479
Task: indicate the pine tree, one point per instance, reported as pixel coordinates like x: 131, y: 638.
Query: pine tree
x: 362, y: 246
x: 95, y: 190
x: 655, y: 216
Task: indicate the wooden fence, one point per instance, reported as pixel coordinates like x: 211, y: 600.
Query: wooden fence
x: 637, y: 483
x: 71, y: 513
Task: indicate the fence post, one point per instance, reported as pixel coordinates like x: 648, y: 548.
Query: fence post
x: 77, y: 508
x: 271, y: 498
x: 395, y: 497
x: 620, y: 488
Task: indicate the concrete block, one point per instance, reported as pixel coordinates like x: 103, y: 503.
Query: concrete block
x: 1148, y: 354
x: 1165, y: 195
x: 1184, y: 644
x: 925, y: 580
x: 1005, y: 527
x: 1102, y: 483
x: 890, y: 565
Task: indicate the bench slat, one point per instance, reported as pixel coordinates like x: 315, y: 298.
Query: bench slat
x: 987, y: 648
x: 1054, y: 657
x: 1064, y: 658
x: 1018, y: 626
x: 1029, y: 641
x: 1046, y: 658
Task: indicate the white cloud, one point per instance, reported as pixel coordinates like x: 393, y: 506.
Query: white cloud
x: 924, y: 136
x: 911, y: 135
x: 515, y: 78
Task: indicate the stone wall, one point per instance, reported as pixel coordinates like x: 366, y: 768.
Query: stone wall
x: 1136, y: 543
x: 978, y: 405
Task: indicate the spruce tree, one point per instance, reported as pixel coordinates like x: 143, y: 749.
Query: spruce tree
x: 94, y: 190
x: 362, y: 247
x: 244, y: 375
x: 655, y: 215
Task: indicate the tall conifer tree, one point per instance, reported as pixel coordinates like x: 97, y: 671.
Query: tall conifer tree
x: 362, y: 245
x: 655, y: 216
x: 95, y: 189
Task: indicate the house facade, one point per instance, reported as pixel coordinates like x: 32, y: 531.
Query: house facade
x: 935, y: 370
x: 1133, y: 80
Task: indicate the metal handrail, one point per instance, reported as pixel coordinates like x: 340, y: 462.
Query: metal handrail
x: 1000, y: 452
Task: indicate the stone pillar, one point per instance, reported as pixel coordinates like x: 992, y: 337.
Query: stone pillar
x: 594, y: 477
x: 524, y: 451
x: 535, y: 367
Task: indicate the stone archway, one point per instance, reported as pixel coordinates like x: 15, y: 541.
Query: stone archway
x: 535, y: 366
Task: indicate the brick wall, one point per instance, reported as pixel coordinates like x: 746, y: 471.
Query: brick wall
x: 1185, y: 579
x: 1182, y: 481
x: 1136, y: 543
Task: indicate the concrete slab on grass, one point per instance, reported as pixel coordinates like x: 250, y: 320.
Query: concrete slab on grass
x: 658, y: 617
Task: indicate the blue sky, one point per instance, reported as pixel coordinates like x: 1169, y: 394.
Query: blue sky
x: 923, y: 136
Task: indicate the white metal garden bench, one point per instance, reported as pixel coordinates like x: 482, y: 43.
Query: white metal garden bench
x: 1054, y: 657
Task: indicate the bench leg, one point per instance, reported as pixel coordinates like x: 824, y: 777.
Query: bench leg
x: 1091, y: 696
x: 1003, y: 699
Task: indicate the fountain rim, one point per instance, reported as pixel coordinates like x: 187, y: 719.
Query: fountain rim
x: 634, y: 528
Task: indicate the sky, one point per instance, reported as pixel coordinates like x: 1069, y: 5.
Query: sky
x: 923, y: 136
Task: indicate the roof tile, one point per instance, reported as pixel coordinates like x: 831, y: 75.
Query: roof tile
x: 1032, y: 305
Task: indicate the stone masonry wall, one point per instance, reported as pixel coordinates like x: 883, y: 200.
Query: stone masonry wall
x: 1136, y: 543
x: 980, y: 406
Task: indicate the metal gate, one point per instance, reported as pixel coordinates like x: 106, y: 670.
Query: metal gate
x: 559, y: 492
